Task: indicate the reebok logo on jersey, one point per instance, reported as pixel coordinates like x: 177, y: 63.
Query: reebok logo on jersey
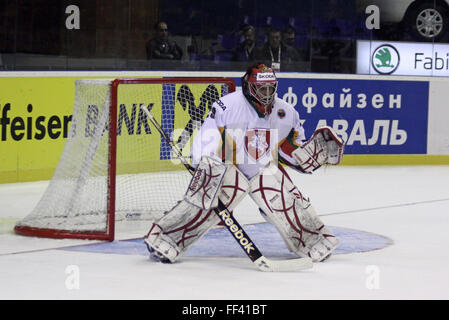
x: 221, y: 104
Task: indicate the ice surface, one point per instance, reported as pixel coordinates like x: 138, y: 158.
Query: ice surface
x: 407, y: 204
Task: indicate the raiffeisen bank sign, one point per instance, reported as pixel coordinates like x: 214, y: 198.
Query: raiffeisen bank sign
x: 402, y: 58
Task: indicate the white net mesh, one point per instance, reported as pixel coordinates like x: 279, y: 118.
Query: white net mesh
x: 149, y: 181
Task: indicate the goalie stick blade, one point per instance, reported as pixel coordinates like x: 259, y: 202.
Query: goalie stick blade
x: 290, y: 265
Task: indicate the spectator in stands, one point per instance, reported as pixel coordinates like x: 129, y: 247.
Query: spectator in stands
x: 288, y: 36
x: 245, y: 50
x: 288, y: 39
x: 161, y: 47
x: 274, y: 53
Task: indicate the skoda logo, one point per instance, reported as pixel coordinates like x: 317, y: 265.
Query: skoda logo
x: 385, y: 59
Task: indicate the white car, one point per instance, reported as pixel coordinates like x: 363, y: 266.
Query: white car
x: 426, y: 20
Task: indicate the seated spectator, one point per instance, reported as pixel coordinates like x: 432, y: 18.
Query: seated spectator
x: 245, y: 50
x: 160, y: 47
x: 288, y: 39
x: 274, y: 53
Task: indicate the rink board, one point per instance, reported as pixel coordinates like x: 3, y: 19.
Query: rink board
x: 384, y: 120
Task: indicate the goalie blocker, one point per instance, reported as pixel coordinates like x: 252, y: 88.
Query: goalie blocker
x: 281, y: 203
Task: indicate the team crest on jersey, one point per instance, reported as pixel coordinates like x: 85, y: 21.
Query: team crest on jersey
x: 257, y: 142
x: 281, y: 113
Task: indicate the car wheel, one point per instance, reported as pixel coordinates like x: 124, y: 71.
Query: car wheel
x: 428, y: 22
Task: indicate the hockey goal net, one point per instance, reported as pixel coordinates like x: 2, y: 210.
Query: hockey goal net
x: 115, y: 169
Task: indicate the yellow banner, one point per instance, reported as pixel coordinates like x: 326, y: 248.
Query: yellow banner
x: 36, y: 117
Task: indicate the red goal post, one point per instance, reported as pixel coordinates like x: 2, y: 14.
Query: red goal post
x: 114, y: 167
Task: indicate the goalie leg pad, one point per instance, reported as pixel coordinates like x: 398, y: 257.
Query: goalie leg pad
x: 178, y: 229
x: 161, y: 247
x: 234, y: 187
x: 185, y: 223
x: 205, y: 183
x: 290, y: 211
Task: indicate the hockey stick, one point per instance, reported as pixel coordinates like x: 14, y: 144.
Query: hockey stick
x: 233, y: 226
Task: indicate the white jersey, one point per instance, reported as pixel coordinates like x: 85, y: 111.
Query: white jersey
x: 251, y: 141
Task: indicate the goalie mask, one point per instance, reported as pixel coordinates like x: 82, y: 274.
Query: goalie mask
x: 259, y: 85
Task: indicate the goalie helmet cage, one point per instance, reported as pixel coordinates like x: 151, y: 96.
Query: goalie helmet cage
x: 115, y: 166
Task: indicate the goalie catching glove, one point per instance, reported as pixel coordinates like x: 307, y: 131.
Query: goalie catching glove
x: 324, y: 147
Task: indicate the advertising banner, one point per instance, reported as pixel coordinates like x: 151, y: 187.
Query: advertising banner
x: 402, y: 58
x: 372, y: 116
x: 35, y: 117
